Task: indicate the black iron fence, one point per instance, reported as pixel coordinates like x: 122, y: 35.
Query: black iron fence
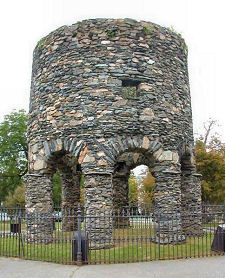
x: 126, y: 235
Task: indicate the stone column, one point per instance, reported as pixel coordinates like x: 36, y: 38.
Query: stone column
x: 120, y: 199
x: 70, y: 199
x: 120, y: 192
x: 191, y: 201
x: 168, y: 205
x: 39, y: 208
x: 98, y: 209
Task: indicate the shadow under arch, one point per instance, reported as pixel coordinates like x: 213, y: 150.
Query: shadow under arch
x: 125, y: 163
x: 53, y: 155
x: 66, y: 166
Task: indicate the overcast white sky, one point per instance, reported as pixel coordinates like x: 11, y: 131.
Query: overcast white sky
x: 201, y: 23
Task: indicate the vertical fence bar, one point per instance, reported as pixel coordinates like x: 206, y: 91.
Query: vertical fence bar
x: 79, y: 252
x: 159, y: 238
x: 123, y: 235
x: 146, y: 226
x: 203, y: 239
x: 113, y: 234
x: 19, y: 226
x: 104, y: 243
x: 128, y: 234
x: 133, y: 237
x: 168, y: 245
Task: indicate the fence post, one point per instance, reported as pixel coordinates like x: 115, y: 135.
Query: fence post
x: 79, y: 251
x: 19, y: 223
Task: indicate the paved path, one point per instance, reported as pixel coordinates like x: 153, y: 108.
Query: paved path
x: 190, y: 268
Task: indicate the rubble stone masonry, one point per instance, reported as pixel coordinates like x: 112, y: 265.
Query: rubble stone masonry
x: 106, y: 96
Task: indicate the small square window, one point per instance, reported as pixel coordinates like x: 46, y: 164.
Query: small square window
x: 130, y: 88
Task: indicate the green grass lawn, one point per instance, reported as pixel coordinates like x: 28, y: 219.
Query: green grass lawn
x: 129, y: 245
x: 212, y: 225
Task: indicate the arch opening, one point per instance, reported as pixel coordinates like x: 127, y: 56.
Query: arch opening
x: 145, y: 188
x: 129, y: 192
x: 66, y: 185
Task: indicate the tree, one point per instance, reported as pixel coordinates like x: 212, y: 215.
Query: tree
x: 141, y: 191
x: 211, y: 165
x: 17, y: 198
x: 13, y: 152
x: 208, y: 126
x: 210, y: 162
x: 147, y: 189
x: 13, y: 161
x: 57, y: 190
x: 133, y: 191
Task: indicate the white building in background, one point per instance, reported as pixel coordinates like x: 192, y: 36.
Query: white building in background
x: 140, y: 173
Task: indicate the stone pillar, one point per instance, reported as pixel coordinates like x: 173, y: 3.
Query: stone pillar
x: 98, y: 209
x: 39, y: 208
x: 191, y: 201
x: 120, y: 191
x: 168, y: 205
x: 120, y: 199
x: 70, y: 199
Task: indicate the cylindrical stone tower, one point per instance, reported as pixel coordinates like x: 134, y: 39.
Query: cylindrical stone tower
x: 108, y: 95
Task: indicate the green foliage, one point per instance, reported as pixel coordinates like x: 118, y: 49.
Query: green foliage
x: 185, y: 47
x: 82, y: 181
x: 13, y: 152
x: 142, y: 192
x: 13, y: 162
x: 57, y: 190
x: 210, y: 161
x: 74, y: 33
x: 17, y: 198
x: 41, y: 43
x: 173, y: 31
x: 146, y: 31
x: 133, y: 191
x: 111, y: 33
x: 147, y: 189
x: 129, y: 92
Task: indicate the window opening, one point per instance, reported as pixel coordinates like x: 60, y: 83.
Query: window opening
x: 130, y: 88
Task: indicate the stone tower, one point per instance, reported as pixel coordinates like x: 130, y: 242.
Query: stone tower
x: 108, y: 95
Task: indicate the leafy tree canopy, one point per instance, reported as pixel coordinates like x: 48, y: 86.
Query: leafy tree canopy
x: 210, y: 162
x: 17, y: 199
x: 133, y: 191
x: 147, y: 189
x: 13, y: 152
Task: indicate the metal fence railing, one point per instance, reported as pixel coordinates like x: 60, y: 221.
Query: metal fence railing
x: 126, y: 235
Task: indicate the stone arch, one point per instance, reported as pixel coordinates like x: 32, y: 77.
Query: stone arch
x: 129, y: 152
x: 70, y: 145
x: 64, y: 155
x: 165, y: 166
x: 114, y: 147
x: 45, y: 159
x: 39, y: 154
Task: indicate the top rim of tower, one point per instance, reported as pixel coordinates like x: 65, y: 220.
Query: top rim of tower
x: 147, y: 27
